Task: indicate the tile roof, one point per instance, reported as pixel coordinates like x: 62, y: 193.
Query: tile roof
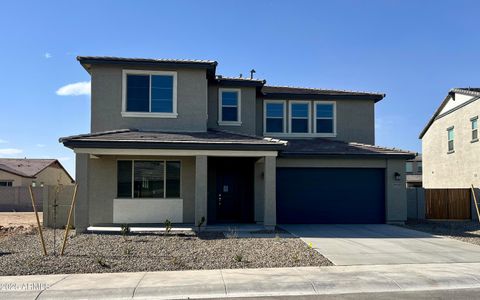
x: 326, y: 147
x: 288, y: 90
x: 148, y: 60
x: 156, y: 139
x: 25, y: 167
x: 468, y: 91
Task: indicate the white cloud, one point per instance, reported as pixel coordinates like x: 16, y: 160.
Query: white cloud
x: 47, y: 55
x: 40, y: 145
x: 75, y: 89
x: 3, y: 141
x: 10, y: 151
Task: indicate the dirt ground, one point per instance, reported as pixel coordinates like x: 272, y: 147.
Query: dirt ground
x: 18, y: 222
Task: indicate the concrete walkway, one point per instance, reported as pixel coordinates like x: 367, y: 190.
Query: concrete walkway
x: 243, y: 282
x: 382, y: 244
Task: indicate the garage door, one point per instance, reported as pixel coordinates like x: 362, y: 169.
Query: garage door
x: 330, y: 195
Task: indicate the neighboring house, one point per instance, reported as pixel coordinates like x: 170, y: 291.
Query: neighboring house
x: 451, y: 151
x: 413, y: 169
x: 172, y: 140
x: 34, y: 172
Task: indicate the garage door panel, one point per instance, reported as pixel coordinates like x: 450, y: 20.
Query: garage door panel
x: 330, y: 195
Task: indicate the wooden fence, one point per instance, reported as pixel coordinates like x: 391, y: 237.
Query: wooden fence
x: 448, y: 204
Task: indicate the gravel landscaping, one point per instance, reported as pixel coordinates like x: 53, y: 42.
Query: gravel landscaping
x: 466, y: 231
x: 20, y: 253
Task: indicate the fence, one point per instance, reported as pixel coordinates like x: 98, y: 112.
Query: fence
x: 415, y: 203
x: 18, y: 199
x: 452, y: 204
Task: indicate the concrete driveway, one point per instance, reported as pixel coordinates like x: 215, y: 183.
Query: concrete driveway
x: 382, y: 244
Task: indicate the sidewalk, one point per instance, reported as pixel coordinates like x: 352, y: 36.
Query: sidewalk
x: 243, y: 282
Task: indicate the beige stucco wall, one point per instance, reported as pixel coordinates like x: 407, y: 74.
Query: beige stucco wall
x: 106, y: 101
x: 247, y: 114
x: 395, y: 190
x: 461, y: 168
x: 16, y: 180
x: 98, y: 188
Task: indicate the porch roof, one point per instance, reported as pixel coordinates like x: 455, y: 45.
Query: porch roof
x: 327, y: 147
x: 137, y: 139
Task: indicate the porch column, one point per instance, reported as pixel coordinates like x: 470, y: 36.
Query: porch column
x: 270, y: 207
x: 201, y: 169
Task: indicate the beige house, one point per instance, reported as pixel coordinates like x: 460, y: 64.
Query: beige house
x: 35, y: 172
x: 171, y: 139
x: 451, y: 151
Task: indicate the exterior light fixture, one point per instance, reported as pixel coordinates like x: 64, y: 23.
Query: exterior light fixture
x: 397, y: 176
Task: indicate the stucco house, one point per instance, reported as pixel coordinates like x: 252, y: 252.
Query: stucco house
x: 34, y: 172
x: 171, y: 139
x: 451, y: 152
x: 413, y: 170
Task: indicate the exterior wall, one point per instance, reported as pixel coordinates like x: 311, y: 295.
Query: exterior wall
x: 107, y: 102
x: 355, y: 121
x: 97, y: 180
x: 53, y: 175
x: 248, y: 100
x: 16, y: 180
x: 395, y: 191
x: 459, y: 169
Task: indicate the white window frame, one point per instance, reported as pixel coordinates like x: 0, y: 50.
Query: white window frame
x: 474, y: 119
x: 126, y: 113
x: 265, y: 102
x: 164, y: 177
x: 322, y: 134
x: 453, y: 140
x: 292, y: 102
x: 239, y: 107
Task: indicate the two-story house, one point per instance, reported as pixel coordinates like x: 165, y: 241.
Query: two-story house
x: 171, y: 139
x: 451, y: 152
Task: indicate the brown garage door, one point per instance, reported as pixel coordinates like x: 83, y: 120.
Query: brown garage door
x: 453, y: 204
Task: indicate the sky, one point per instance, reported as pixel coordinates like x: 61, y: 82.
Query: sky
x: 413, y: 51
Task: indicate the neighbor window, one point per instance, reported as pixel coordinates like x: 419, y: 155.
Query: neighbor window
x: 419, y: 167
x: 152, y: 92
x: 274, y: 116
x: 229, y: 107
x: 5, y: 183
x: 409, y: 167
x: 474, y: 122
x: 148, y: 179
x: 324, y: 117
x: 299, y: 117
x: 450, y: 135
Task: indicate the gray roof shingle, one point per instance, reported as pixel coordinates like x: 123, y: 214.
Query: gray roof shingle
x: 287, y: 91
x: 25, y: 167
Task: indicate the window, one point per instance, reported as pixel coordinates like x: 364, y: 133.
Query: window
x: 229, y: 107
x: 324, y: 117
x: 148, y: 94
x: 274, y: 116
x: 148, y: 179
x: 409, y: 167
x: 450, y: 135
x: 299, y: 117
x: 419, y: 167
x: 474, y: 122
x: 5, y: 183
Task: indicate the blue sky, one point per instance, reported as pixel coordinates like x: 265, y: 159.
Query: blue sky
x: 414, y: 51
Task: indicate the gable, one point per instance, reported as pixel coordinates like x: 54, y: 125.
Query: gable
x: 456, y: 101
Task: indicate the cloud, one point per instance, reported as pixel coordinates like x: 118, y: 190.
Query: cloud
x: 3, y: 141
x: 40, y: 145
x: 75, y: 89
x: 10, y: 151
x: 47, y: 55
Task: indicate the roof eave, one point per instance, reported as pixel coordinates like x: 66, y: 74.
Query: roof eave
x: 295, y: 96
x: 349, y: 155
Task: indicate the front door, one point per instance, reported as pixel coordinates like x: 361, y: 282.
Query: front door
x: 228, y: 195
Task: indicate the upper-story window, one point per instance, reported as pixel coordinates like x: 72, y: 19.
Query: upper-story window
x: 324, y: 117
x: 419, y: 167
x: 275, y: 116
x: 229, y: 107
x: 149, y: 94
x: 299, y: 117
x: 451, y: 136
x: 409, y: 167
x: 474, y: 122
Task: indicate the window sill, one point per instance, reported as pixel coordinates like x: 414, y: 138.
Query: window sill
x: 474, y: 141
x: 294, y: 134
x: 451, y: 151
x: 127, y: 114
x: 229, y: 123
